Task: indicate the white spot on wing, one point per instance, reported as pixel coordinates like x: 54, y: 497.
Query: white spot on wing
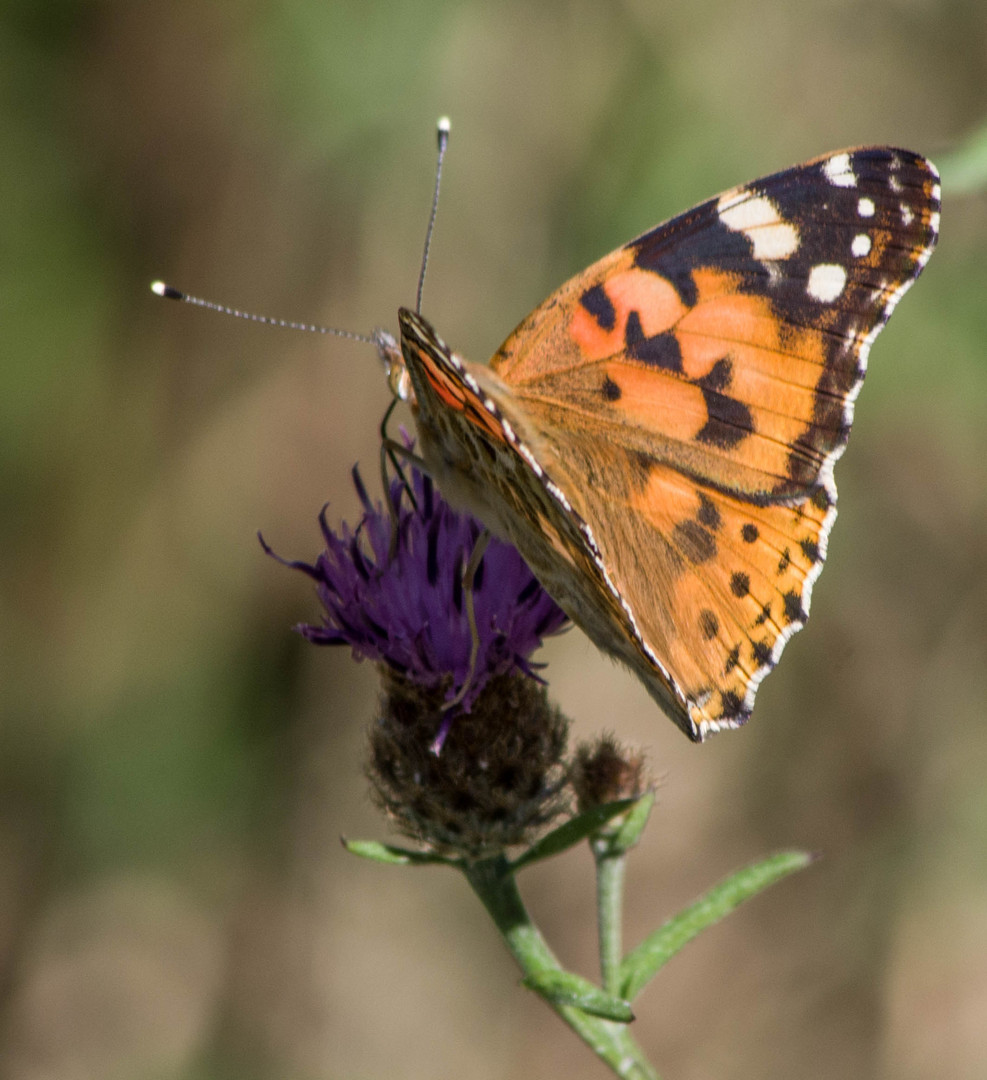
x: 907, y: 215
x: 865, y: 208
x: 861, y: 245
x: 838, y: 172
x: 540, y: 472
x: 758, y: 219
x: 826, y: 281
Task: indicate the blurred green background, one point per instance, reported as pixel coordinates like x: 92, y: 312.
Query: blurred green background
x: 176, y: 766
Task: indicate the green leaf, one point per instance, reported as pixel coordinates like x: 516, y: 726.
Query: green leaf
x: 641, y: 965
x: 572, y: 832
x: 392, y: 855
x: 564, y: 988
x: 633, y: 825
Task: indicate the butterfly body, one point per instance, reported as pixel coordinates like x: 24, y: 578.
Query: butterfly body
x: 658, y: 437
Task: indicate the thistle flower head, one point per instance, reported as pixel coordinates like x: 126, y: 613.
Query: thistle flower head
x: 499, y: 780
x: 392, y: 589
x: 604, y: 771
x: 400, y: 602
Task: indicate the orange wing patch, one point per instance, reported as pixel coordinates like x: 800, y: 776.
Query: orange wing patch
x: 598, y: 326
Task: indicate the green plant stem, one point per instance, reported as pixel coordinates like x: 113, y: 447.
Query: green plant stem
x: 493, y: 882
x: 610, y: 867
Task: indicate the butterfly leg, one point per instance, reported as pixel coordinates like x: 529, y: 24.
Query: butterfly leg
x: 389, y: 450
x: 469, y: 574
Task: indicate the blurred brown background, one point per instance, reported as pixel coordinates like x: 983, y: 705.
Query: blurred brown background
x: 176, y: 766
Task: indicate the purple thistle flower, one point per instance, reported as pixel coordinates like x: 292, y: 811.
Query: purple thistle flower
x: 405, y: 607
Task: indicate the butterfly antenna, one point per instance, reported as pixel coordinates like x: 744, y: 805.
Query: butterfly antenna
x: 171, y: 293
x: 442, y: 130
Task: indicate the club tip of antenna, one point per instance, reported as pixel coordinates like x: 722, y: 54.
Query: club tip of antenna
x: 162, y: 289
x: 442, y: 126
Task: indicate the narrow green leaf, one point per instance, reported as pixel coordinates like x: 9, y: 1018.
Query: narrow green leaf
x: 640, y: 965
x: 392, y: 855
x: 564, y: 988
x: 637, y: 817
x: 572, y: 832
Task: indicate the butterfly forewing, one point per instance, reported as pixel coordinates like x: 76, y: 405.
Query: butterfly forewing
x: 675, y: 412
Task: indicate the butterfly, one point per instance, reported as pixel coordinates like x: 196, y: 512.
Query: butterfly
x: 658, y: 437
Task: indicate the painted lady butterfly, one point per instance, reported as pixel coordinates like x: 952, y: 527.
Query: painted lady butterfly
x: 658, y: 437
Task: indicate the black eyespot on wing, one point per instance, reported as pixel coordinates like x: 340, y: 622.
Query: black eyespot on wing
x: 597, y: 303
x: 810, y: 549
x: 762, y: 653
x: 697, y: 544
x: 719, y: 375
x: 729, y: 422
x: 660, y: 351
x: 794, y: 612
x: 733, y: 710
x: 611, y: 391
x: 709, y: 624
x: 708, y: 515
x: 740, y: 584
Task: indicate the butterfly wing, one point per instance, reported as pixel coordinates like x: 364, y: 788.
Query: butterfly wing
x: 681, y: 405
